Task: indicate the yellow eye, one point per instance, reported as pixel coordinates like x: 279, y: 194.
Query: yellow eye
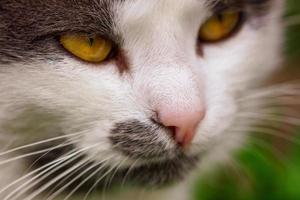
x: 87, y: 48
x: 220, y: 26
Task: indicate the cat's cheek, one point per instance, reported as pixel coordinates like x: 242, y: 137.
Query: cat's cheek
x: 215, y: 127
x: 98, y: 146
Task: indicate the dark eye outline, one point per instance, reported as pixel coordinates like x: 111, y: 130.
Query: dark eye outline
x: 232, y: 33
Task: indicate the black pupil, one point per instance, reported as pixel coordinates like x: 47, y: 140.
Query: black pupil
x: 91, y: 41
x: 220, y: 17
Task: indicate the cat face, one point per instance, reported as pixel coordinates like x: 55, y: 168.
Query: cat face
x: 164, y: 101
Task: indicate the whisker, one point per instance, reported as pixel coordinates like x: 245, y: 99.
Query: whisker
x: 256, y: 143
x: 64, y: 180
x: 128, y: 172
x: 270, y: 117
x: 58, y: 146
x: 53, y: 181
x: 98, y: 181
x: 33, y: 172
x: 45, y: 173
x: 76, y: 178
x: 268, y: 147
x: 24, y: 189
x: 87, y: 178
x: 107, y: 184
x: 37, y: 143
x: 28, y: 155
x: 270, y: 132
x: 69, y: 175
x: 279, y: 102
x: 272, y: 92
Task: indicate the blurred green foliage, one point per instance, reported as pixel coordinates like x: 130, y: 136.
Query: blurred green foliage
x: 261, y: 171
x: 259, y: 174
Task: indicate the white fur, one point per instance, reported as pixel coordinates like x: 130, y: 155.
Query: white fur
x: 159, y: 40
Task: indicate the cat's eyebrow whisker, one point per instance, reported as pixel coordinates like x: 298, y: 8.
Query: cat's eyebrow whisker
x: 54, y: 166
x: 99, y: 179
x: 38, y: 143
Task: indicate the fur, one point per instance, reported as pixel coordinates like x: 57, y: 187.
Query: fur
x: 46, y: 93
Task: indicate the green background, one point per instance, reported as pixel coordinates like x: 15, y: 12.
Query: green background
x: 264, y: 170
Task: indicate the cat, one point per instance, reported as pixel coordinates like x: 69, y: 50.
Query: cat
x: 160, y: 102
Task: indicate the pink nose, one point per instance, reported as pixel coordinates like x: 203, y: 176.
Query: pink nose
x: 184, y: 121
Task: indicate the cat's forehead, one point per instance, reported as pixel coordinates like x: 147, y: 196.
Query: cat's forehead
x: 86, y: 12
x: 48, y: 17
x: 22, y: 22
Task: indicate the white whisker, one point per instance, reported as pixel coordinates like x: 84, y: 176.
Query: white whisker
x: 38, y: 143
x: 58, y: 146
x: 272, y: 92
x: 87, y: 178
x: 270, y: 117
x: 45, y: 173
x: 98, y: 181
x: 108, y: 183
x: 57, y: 161
x: 30, y: 154
x: 76, y: 178
x: 57, y: 178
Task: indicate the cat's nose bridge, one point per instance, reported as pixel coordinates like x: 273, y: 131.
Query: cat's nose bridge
x: 177, y: 98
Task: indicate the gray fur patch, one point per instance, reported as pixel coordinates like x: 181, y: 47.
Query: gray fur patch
x: 28, y: 27
x: 252, y: 7
x: 142, y: 140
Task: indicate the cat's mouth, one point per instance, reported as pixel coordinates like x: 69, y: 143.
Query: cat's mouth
x: 160, y: 161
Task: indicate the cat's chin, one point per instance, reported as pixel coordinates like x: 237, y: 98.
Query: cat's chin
x: 159, y: 172
x: 152, y: 174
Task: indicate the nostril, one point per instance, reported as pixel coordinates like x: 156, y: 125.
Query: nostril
x: 181, y: 137
x: 181, y: 123
x: 172, y: 132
